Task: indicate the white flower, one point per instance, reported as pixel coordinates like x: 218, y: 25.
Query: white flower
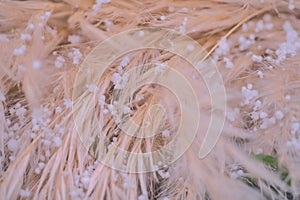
x: 36, y: 64
x: 12, y: 145
x: 248, y: 93
x: 20, y: 51
x: 263, y: 115
x: 59, y: 62
x: 68, y: 103
x: 30, y: 26
x: 228, y: 62
x: 166, y: 133
x: 260, y: 74
x: 256, y: 58
x: 25, y: 193
x: 75, y: 55
x: 125, y: 61
x: 25, y: 37
x: 120, y: 81
x: 163, y: 18
x: 57, y: 141
x: 279, y: 115
x: 295, y: 128
x: 224, y: 47
x: 73, y: 39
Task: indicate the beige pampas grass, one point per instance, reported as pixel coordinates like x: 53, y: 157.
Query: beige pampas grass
x: 255, y: 46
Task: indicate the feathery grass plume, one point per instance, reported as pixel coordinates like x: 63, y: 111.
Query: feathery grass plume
x: 255, y: 46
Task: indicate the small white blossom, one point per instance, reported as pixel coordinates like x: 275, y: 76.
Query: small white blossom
x: 248, y: 93
x: 74, y: 39
x: 25, y: 37
x: 20, y: 51
x: 58, y: 109
x: 57, y: 141
x: 25, y: 193
x: 30, y: 26
x: 13, y: 145
x: 166, y: 133
x: 256, y: 58
x: 68, y: 103
x: 279, y: 114
x: 59, y: 62
x: 36, y: 64
x: 75, y: 55
x: 163, y: 18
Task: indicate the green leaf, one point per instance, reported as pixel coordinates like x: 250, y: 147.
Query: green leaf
x: 267, y: 160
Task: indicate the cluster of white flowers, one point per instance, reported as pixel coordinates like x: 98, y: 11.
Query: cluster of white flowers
x: 59, y: 62
x: 249, y: 93
x: 39, y: 167
x: 75, y: 55
x: 44, y: 18
x: 119, y: 81
x: 236, y: 172
x: 245, y: 43
x: 224, y: 47
x: 82, y: 179
x: 222, y: 51
x: 12, y: 137
x: 228, y: 63
x: 51, y: 138
x: 266, y: 121
x: 261, y: 25
x: 97, y: 6
x: 292, y: 44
